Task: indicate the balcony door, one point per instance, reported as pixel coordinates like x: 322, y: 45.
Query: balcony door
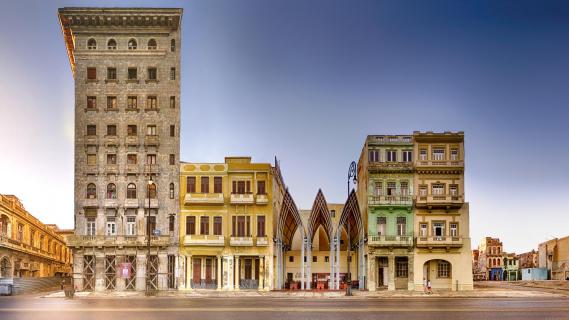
x: 197, y: 276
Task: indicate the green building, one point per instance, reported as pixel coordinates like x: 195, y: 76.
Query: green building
x: 385, y: 192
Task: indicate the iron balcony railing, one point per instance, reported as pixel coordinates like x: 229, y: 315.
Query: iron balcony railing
x: 439, y: 241
x: 391, y: 241
x: 397, y: 200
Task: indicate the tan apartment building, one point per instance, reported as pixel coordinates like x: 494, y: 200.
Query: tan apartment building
x: 554, y: 256
x: 126, y: 67
x: 443, y: 247
x: 29, y: 248
x: 490, y: 260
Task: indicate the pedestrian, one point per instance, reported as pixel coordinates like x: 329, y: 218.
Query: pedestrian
x: 424, y: 285
x: 429, y: 289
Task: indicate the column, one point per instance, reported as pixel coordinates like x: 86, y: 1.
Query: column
x: 331, y: 256
x: 261, y: 273
x: 189, y: 266
x: 141, y: 272
x: 309, y: 264
x: 78, y: 264
x: 218, y: 275
x: 121, y: 283
x: 100, y: 271
x: 302, y: 260
x: 411, y: 273
x: 337, y: 262
x: 371, y: 272
x: 391, y: 272
x: 162, y: 271
x: 237, y: 272
x: 361, y: 273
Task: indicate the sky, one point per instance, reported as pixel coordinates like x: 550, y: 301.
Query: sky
x: 307, y: 80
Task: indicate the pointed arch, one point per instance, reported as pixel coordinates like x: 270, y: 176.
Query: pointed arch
x: 319, y: 215
x: 351, y: 215
x: 289, y: 220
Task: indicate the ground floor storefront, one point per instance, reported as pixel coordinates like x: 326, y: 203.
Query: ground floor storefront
x: 444, y: 269
x: 390, y: 269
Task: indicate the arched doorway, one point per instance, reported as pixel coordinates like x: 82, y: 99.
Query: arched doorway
x: 4, y: 225
x: 351, y: 223
x: 439, y: 273
x: 318, y: 248
x: 5, y: 268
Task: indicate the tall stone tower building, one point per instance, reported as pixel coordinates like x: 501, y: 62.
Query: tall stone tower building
x: 126, y: 66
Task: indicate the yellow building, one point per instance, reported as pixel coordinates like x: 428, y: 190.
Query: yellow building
x: 226, y: 221
x: 443, y: 245
x: 29, y: 248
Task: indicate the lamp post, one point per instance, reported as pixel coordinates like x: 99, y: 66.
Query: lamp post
x: 352, y: 174
x: 148, y: 236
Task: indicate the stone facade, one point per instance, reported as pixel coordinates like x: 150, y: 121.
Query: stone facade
x: 29, y: 248
x: 126, y: 66
x: 490, y: 259
x: 554, y: 256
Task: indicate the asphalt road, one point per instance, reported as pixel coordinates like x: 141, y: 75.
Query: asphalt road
x: 35, y: 308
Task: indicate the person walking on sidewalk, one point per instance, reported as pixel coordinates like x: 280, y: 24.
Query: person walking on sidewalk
x: 429, y: 289
x: 424, y: 285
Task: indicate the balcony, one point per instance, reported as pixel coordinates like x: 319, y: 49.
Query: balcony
x: 241, y: 241
x: 440, y: 163
x: 262, y: 241
x: 151, y: 140
x: 111, y: 141
x: 131, y: 203
x: 112, y: 169
x: 151, y: 168
x: 391, y: 201
x: 439, y: 242
x: 440, y: 201
x: 131, y: 140
x: 203, y: 198
x: 390, y: 166
x: 91, y: 169
x: 131, y: 169
x: 153, y: 203
x: 241, y: 198
x: 112, y: 241
x: 262, y: 199
x: 204, y: 240
x: 90, y: 203
x: 111, y: 203
x: 391, y: 241
x: 91, y: 140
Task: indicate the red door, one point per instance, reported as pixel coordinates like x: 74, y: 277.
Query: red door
x: 197, y: 271
x: 208, y: 270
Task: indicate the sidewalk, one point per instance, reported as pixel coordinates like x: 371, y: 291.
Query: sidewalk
x: 477, y: 293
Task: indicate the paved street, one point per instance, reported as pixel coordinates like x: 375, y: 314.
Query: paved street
x: 284, y: 308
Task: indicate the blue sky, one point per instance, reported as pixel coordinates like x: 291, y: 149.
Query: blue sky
x: 308, y: 80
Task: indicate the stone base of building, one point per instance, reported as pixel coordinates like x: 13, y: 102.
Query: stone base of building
x: 386, y: 269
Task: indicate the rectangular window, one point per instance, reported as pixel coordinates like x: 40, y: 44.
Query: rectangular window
x: 438, y: 229
x: 391, y: 155
x: 130, y: 226
x: 111, y: 226
x: 314, y: 259
x: 401, y: 226
x: 152, y: 223
x: 131, y: 158
x: 326, y: 259
x: 454, y: 154
x: 150, y: 159
x: 172, y: 73
x: 217, y: 186
x: 241, y: 226
x: 391, y: 188
x: 172, y: 130
x: 404, y: 186
x: 91, y: 130
x: 423, y: 191
x: 172, y: 159
x: 172, y: 102
x: 190, y: 225
x: 261, y: 226
x: 191, y: 185
x: 423, y: 230
x: 91, y: 159
x: 423, y: 154
x: 443, y: 269
x: 132, y: 102
x: 438, y: 154
x: 152, y: 73
x: 217, y: 226
x: 171, y: 223
x: 91, y: 226
x: 381, y: 225
x: 132, y: 74
x: 453, y: 188
x: 261, y: 187
x: 91, y: 73
x: 112, y: 130
x: 438, y: 189
x: 204, y: 225
x: 111, y: 73
x: 91, y: 102
x: 401, y: 267
x: 333, y: 213
x: 151, y: 130
x: 453, y: 229
x: 373, y: 156
x: 291, y: 259
x: 407, y: 156
x: 131, y: 130
x: 151, y: 102
x: 378, y: 188
x: 205, y: 184
x: 111, y: 159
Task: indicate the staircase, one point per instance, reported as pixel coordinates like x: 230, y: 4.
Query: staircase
x: 32, y: 285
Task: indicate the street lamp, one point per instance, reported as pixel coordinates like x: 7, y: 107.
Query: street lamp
x: 352, y: 174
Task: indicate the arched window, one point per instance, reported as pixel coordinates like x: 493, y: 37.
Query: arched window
x: 131, y: 44
x: 91, y: 44
x: 112, y: 44
x: 172, y: 45
x: 152, y: 191
x: 171, y: 191
x: 131, y: 191
x: 152, y: 44
x: 111, y: 191
x: 91, y: 191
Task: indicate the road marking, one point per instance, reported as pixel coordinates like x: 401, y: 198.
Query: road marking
x: 286, y: 309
